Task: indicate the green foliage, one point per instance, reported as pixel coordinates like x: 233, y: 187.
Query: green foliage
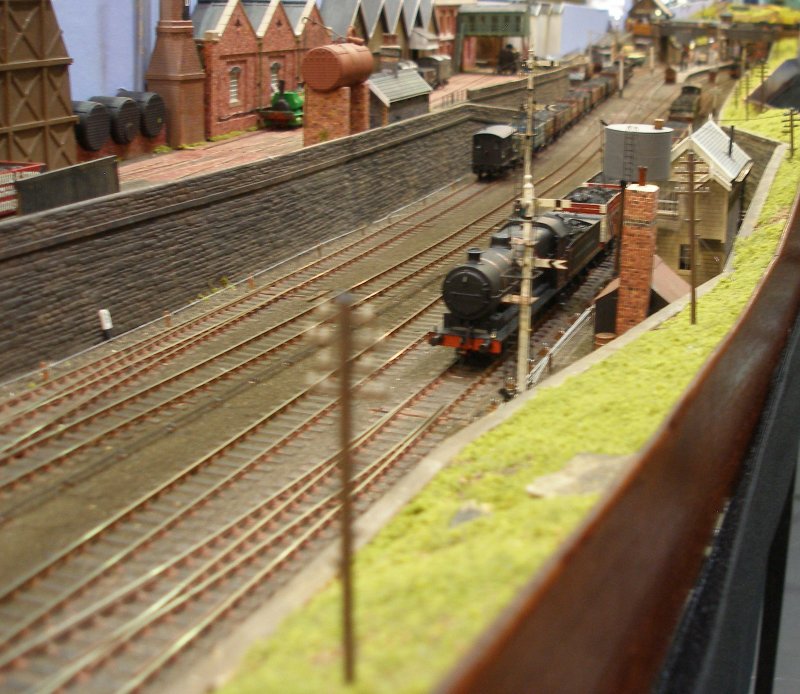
x: 769, y: 122
x: 162, y: 149
x: 194, y: 145
x: 772, y: 14
x: 426, y: 587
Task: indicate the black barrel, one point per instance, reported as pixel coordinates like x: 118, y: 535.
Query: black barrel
x: 152, y: 109
x: 125, y: 117
x: 94, y: 124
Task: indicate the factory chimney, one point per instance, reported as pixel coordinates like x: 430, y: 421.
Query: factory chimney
x: 636, y: 257
x: 175, y: 73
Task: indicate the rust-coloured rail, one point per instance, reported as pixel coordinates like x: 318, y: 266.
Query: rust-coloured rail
x: 600, y: 616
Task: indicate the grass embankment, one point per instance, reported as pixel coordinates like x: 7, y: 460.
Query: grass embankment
x: 774, y: 14
x: 427, y: 586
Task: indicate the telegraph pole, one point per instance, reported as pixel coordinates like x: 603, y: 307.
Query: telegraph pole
x: 788, y: 128
x: 692, y: 240
x: 524, y: 339
x: 691, y: 190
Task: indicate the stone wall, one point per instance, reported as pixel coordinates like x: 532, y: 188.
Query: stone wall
x: 140, y: 253
x: 548, y: 87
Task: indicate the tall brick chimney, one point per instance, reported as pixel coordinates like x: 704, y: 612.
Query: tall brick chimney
x: 176, y: 74
x: 636, y: 255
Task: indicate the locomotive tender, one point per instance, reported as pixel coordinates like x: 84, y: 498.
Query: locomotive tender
x: 480, y: 318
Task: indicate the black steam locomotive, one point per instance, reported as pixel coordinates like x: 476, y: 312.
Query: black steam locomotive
x: 481, y: 317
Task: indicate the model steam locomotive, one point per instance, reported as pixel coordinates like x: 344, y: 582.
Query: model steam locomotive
x: 566, y: 240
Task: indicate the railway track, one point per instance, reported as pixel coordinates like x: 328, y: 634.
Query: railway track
x: 229, y: 523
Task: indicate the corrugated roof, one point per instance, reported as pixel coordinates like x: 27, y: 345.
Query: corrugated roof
x: 710, y: 142
x: 391, y: 88
x: 339, y: 14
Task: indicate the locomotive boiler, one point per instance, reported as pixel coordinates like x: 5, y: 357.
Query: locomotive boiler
x: 477, y: 293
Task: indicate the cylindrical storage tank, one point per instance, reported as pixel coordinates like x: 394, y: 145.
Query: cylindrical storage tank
x: 94, y: 124
x: 338, y: 65
x: 125, y: 117
x: 152, y: 110
x: 627, y: 147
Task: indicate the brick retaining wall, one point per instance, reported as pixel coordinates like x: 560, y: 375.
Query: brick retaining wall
x: 140, y: 253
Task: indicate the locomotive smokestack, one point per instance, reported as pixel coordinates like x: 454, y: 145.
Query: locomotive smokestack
x: 474, y: 255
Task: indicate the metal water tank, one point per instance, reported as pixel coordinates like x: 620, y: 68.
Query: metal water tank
x: 125, y: 117
x: 629, y: 146
x: 152, y: 109
x: 94, y: 124
x: 338, y: 65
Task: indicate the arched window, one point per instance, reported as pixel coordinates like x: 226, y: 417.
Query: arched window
x: 234, y: 76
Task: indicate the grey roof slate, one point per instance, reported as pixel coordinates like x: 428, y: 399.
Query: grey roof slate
x: 371, y: 9
x: 410, y: 9
x: 294, y: 11
x: 339, y: 14
x: 206, y: 16
x: 393, y: 9
x: 715, y: 143
x: 392, y: 87
x: 255, y: 10
x: 426, y: 12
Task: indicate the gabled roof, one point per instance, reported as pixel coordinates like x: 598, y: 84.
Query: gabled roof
x: 297, y: 12
x: 410, y: 9
x: 212, y: 15
x: 339, y: 15
x: 391, y: 87
x: 371, y: 9
x: 393, y: 9
x: 260, y: 13
x: 727, y: 162
x: 426, y: 12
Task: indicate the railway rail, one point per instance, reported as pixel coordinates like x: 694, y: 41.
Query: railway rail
x: 177, y: 565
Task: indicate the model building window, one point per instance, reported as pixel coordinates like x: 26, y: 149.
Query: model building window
x: 684, y: 261
x: 234, y: 75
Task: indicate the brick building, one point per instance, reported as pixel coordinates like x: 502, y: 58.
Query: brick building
x: 246, y: 48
